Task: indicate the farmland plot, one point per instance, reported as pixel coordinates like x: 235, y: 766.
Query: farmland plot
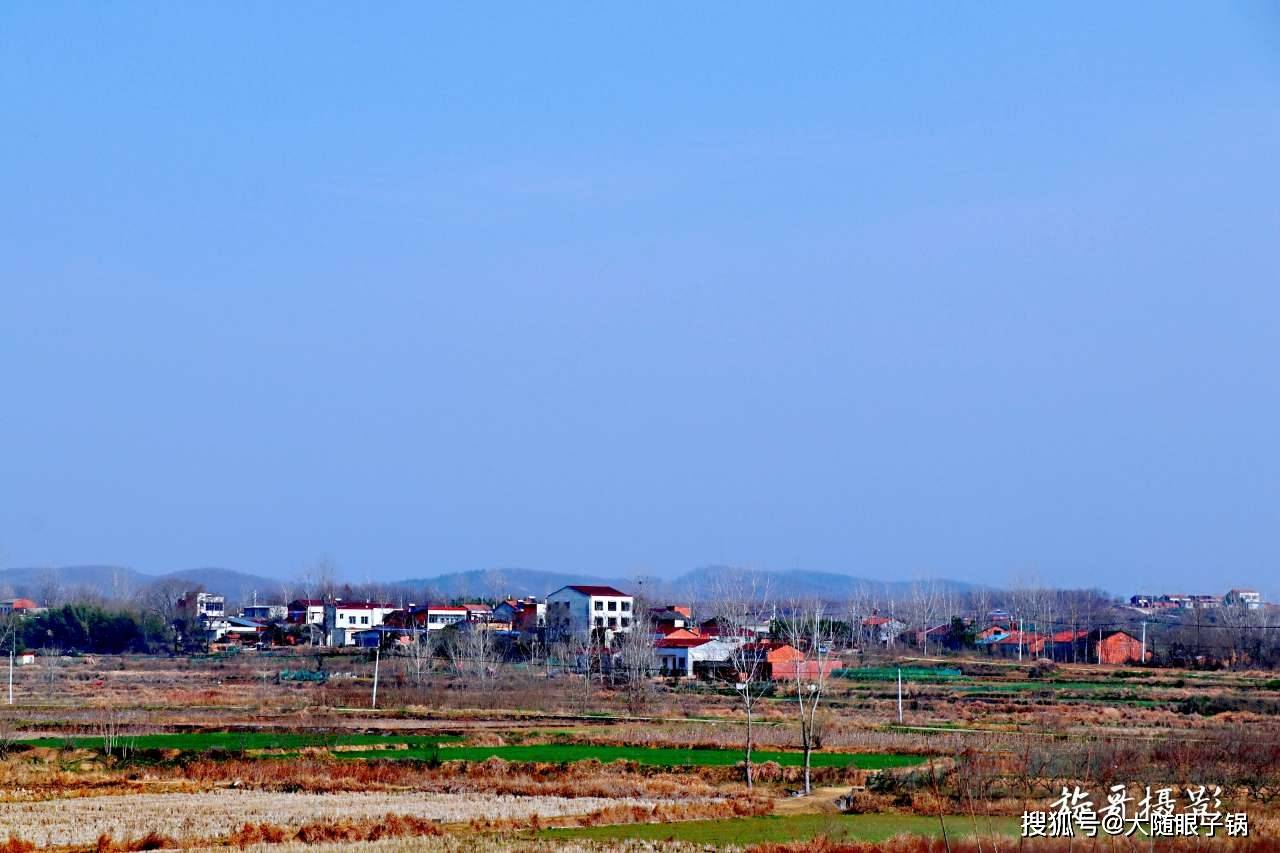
x: 79, y: 821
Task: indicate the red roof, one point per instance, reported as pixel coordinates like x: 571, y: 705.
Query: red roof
x: 364, y: 605
x: 680, y: 634
x: 1024, y: 637
x: 1068, y: 636
x: 24, y: 604
x: 776, y: 652
x: 878, y: 620
x: 681, y: 642
x: 587, y: 589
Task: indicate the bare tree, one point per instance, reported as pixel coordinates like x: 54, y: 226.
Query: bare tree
x: 577, y: 654
x: 161, y: 598
x: 50, y: 667
x: 416, y: 656
x: 49, y: 588
x: 115, y: 727
x: 740, y: 597
x: 807, y: 628
x: 924, y: 605
x: 470, y: 650
x: 636, y: 657
x: 319, y: 580
x: 857, y: 609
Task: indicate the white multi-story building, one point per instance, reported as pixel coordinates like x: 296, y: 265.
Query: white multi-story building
x: 342, y: 619
x: 583, y: 610
x: 1249, y: 599
x: 205, y: 615
x: 196, y: 605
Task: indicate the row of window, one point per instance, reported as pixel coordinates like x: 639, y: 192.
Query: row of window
x: 614, y: 622
x: 613, y: 605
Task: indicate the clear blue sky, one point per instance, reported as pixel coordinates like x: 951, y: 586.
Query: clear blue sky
x: 898, y: 290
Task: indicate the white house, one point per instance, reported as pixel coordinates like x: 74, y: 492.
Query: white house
x: 441, y: 616
x: 582, y: 610
x: 681, y: 656
x: 342, y: 619
x: 307, y: 611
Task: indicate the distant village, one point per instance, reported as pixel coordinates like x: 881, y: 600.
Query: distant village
x: 596, y: 620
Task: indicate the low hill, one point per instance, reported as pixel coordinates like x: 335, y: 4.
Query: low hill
x: 499, y: 583
x: 121, y: 583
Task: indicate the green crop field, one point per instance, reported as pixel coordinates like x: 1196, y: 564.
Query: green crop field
x: 554, y: 753
x: 756, y: 830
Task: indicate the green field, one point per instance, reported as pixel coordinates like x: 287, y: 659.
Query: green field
x: 239, y: 741
x: 556, y: 753
x: 445, y: 748
x: 755, y: 830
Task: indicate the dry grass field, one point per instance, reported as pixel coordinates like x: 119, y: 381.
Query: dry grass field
x: 147, y: 753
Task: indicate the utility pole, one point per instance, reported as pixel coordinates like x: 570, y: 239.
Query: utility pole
x: 1019, y: 639
x: 377, y: 657
x: 11, y: 651
x: 1144, y: 642
x: 899, y: 695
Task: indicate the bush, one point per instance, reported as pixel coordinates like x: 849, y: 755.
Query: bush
x: 1042, y: 669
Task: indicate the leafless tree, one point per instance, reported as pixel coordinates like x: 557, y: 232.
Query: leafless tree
x: 636, y: 658
x: 470, y: 651
x: 857, y: 609
x: 924, y: 605
x: 50, y: 667
x: 738, y: 602
x: 578, y: 655
x: 807, y: 628
x: 49, y: 588
x: 115, y: 727
x: 161, y: 598
x: 320, y: 579
x: 980, y: 602
x: 416, y: 656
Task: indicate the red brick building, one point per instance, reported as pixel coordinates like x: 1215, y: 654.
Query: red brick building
x: 1115, y: 647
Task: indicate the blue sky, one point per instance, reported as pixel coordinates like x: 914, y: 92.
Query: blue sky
x: 966, y: 290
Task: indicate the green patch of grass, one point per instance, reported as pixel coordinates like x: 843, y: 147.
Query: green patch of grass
x: 913, y: 674
x: 790, y: 828
x: 239, y: 741
x: 560, y: 753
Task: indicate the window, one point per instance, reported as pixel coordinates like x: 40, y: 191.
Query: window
x: 599, y: 621
x: 626, y: 606
x: 613, y: 605
x: 599, y: 605
x: 626, y: 623
x: 364, y: 620
x: 351, y: 620
x: 613, y: 623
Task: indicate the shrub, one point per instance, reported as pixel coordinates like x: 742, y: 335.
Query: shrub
x: 1042, y: 669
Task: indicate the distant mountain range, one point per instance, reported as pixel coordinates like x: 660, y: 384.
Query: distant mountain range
x: 122, y: 582
x: 702, y: 584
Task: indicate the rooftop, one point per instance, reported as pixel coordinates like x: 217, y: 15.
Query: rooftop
x: 588, y: 589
